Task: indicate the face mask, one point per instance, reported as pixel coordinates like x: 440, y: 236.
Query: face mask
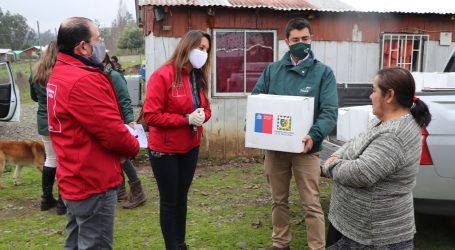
x: 107, y: 68
x: 300, y: 50
x: 198, y: 58
x: 99, y: 52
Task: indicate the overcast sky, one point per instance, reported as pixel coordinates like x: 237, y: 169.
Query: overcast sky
x: 50, y: 13
x: 439, y: 6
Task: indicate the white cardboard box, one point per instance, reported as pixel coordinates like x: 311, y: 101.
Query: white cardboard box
x: 353, y: 121
x: 277, y: 122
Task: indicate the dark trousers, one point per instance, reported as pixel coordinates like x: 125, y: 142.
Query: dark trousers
x: 337, y: 241
x: 128, y: 168
x: 333, y: 236
x: 174, y: 174
x: 91, y: 221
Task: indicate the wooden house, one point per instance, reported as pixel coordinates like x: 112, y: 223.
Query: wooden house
x: 248, y: 35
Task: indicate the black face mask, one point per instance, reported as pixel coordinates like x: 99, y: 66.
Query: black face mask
x: 300, y: 50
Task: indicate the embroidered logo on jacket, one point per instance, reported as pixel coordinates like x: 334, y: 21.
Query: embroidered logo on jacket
x: 305, y: 90
x: 54, y: 122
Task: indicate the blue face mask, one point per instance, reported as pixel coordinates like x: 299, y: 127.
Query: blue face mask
x: 300, y: 50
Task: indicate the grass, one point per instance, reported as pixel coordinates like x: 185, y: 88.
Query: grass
x: 229, y: 208
x: 21, y: 71
x: 129, y: 64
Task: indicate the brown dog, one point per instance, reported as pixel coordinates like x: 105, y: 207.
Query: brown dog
x: 21, y: 153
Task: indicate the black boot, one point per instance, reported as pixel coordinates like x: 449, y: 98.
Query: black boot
x: 47, y: 199
x: 61, y: 208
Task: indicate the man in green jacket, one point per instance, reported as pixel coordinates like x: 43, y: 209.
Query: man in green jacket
x: 298, y: 73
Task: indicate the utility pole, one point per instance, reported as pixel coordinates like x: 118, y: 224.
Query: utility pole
x: 39, y: 39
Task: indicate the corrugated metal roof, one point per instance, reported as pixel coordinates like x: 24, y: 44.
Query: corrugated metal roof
x: 404, y: 6
x: 321, y: 5
x: 439, y: 12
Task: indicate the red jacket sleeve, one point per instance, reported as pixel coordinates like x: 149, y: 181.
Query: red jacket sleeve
x: 155, y: 113
x: 206, y: 106
x: 93, y: 103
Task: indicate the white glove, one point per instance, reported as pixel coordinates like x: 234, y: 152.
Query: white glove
x: 197, y: 118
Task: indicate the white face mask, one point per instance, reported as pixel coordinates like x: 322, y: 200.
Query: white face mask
x: 198, y: 58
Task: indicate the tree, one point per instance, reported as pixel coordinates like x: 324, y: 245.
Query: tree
x: 15, y: 32
x: 46, y: 37
x: 123, y: 19
x: 131, y: 39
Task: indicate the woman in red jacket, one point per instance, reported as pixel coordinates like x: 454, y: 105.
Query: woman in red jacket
x: 175, y: 108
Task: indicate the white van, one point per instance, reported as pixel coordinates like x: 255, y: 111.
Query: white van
x: 9, y: 95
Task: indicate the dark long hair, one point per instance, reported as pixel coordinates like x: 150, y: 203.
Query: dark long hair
x: 107, y: 61
x: 403, y: 84
x: 180, y: 57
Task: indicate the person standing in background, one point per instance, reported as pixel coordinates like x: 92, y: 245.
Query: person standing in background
x: 38, y: 82
x: 116, y: 65
x: 136, y: 196
x: 176, y: 106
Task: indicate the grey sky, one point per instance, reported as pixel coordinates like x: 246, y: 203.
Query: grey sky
x: 419, y: 6
x: 50, y: 13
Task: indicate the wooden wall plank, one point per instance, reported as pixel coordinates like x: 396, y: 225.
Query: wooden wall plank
x: 331, y: 56
x: 373, y: 61
x: 230, y: 131
x: 217, y: 138
x: 328, y: 26
x: 343, y: 57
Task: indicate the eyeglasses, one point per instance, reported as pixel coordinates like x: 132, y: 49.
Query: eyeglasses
x: 100, y: 39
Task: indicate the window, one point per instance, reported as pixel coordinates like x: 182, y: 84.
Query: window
x: 403, y: 50
x: 240, y: 58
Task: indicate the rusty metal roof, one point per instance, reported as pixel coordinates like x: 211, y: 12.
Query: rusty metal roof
x: 320, y: 5
x: 317, y: 5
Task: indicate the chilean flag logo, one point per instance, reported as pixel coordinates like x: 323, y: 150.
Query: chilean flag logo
x: 263, y: 123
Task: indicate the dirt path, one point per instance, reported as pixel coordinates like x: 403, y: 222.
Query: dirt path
x: 26, y: 129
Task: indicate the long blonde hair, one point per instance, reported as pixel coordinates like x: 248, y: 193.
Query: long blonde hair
x: 43, y: 68
x: 180, y: 56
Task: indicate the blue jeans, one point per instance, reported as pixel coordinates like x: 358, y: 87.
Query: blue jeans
x: 91, y: 221
x: 174, y: 174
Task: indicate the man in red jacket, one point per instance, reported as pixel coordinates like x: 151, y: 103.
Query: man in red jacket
x: 88, y: 135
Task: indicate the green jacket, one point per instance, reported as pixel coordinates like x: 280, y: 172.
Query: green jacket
x: 121, y: 90
x: 309, y: 78
x: 38, y: 94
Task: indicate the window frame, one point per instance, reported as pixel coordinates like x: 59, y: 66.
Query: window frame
x: 402, y: 38
x: 215, y: 93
